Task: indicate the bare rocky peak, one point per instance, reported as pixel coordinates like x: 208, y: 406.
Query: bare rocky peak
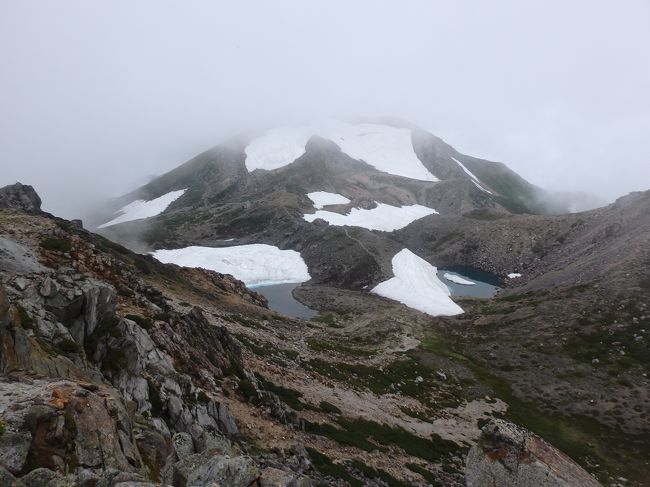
x: 20, y: 197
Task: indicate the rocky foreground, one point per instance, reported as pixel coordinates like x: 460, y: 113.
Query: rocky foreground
x: 118, y: 370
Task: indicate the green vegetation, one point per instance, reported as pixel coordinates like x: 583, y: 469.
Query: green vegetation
x: 324, y: 346
x: 370, y: 436
x: 326, y: 466
x: 68, y: 345
x: 328, y: 408
x: 56, y: 244
x: 426, y: 474
x: 145, y: 323
x: 327, y: 319
x: 290, y: 397
x: 373, y: 473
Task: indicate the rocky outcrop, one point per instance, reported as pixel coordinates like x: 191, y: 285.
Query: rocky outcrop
x: 20, y: 197
x: 508, y: 455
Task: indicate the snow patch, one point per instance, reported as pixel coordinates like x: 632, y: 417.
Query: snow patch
x: 475, y: 180
x: 417, y: 286
x: 384, y: 217
x: 140, y: 209
x: 458, y: 279
x: 255, y: 264
x: 387, y: 149
x: 514, y: 275
x: 323, y: 198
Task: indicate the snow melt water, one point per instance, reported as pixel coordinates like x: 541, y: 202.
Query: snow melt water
x: 387, y: 149
x: 140, y: 209
x: 255, y: 264
x: 323, y: 198
x: 417, y: 286
x: 384, y: 217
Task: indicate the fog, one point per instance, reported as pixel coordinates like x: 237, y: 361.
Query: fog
x: 96, y: 97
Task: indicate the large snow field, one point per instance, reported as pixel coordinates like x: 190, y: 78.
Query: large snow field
x: 386, y: 148
x: 384, y: 217
x: 255, y: 264
x: 323, y: 198
x: 140, y: 209
x: 475, y: 180
x: 417, y: 286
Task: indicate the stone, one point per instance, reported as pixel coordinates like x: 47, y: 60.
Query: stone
x: 20, y: 197
x: 201, y: 469
x: 7, y: 479
x: 511, y: 456
x: 14, y: 447
x: 20, y: 283
x: 441, y: 375
x: 49, y: 288
x: 274, y: 477
x: 39, y: 477
x: 183, y: 445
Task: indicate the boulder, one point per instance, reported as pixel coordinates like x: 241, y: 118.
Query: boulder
x: 274, y: 477
x: 39, y: 477
x: 203, y: 469
x: 183, y: 445
x: 14, y: 447
x: 20, y: 197
x: 510, y: 456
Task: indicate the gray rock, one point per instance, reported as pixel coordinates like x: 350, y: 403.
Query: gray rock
x: 202, y: 469
x: 39, y: 477
x: 273, y: 477
x: 14, y: 447
x: 510, y: 456
x: 20, y: 283
x: 49, y: 288
x: 20, y: 197
x: 7, y: 479
x: 183, y: 445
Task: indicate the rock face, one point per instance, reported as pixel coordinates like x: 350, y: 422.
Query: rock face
x: 20, y: 197
x: 508, y: 455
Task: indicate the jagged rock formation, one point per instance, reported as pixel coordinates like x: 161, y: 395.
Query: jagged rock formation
x: 507, y: 455
x: 101, y: 375
x: 20, y: 197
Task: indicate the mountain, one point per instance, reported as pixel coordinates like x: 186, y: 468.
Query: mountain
x: 458, y: 331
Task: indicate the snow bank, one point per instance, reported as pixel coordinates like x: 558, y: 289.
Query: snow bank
x: 323, y: 198
x: 255, y: 264
x: 417, y: 286
x: 514, y: 275
x: 140, y: 209
x: 384, y: 217
x: 386, y: 148
x: 458, y: 279
x: 475, y: 180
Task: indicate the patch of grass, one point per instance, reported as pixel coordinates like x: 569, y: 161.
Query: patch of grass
x: 327, y: 319
x: 370, y: 436
x: 56, y: 244
x: 328, y: 408
x: 426, y: 474
x: 373, y: 473
x: 324, y: 346
x: 243, y: 321
x: 288, y: 396
x: 68, y: 345
x: 327, y: 467
x: 144, y: 322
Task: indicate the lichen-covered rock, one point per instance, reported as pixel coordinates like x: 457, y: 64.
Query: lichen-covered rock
x: 14, y: 447
x: 274, y: 477
x: 202, y: 469
x: 510, y: 456
x: 183, y: 445
x: 39, y: 477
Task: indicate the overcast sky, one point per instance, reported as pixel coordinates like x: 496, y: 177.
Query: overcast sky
x: 96, y: 97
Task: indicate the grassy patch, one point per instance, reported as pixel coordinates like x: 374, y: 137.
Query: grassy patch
x: 288, y: 396
x: 325, y: 346
x: 56, y: 244
x: 327, y: 467
x: 145, y: 323
x: 328, y: 408
x: 370, y: 436
x: 327, y: 319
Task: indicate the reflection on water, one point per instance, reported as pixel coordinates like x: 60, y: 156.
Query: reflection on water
x: 486, y: 284
x: 282, y: 301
